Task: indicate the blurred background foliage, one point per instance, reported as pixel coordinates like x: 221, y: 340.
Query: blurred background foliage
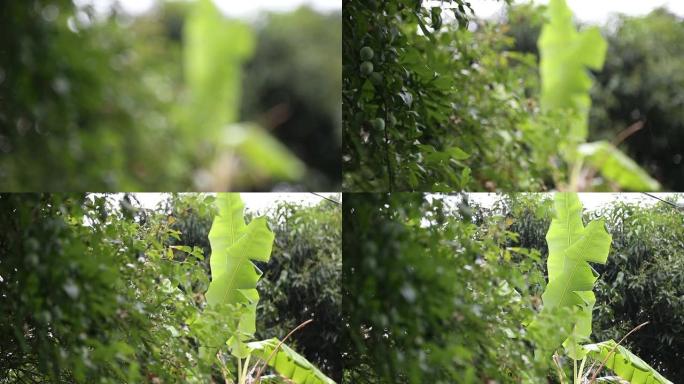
x: 459, y: 98
x: 437, y: 290
x: 98, y: 100
x: 91, y: 290
x: 429, y: 296
x: 640, y: 82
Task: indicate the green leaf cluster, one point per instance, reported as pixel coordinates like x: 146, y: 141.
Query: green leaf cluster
x: 442, y: 109
x: 432, y: 296
x: 571, y: 279
x: 233, y: 291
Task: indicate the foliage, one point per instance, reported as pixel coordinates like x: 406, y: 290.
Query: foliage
x: 430, y: 297
x: 635, y: 84
x: 302, y: 281
x: 88, y: 295
x: 430, y: 105
x: 233, y: 292
x: 571, y: 282
x: 625, y: 364
x: 565, y: 56
x: 641, y: 81
x: 571, y: 279
x: 86, y: 93
x: 73, y: 94
x: 233, y: 275
x: 298, y: 100
x: 441, y: 108
x: 641, y: 281
x: 288, y: 362
x: 644, y: 281
x: 213, y: 51
x: 98, y: 290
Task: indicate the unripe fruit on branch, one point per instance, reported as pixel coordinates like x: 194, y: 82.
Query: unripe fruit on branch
x: 392, y: 120
x: 366, y: 68
x: 366, y: 53
x: 376, y: 78
x: 378, y: 124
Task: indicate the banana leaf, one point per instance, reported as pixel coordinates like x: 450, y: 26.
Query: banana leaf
x: 234, y: 276
x: 624, y: 363
x: 288, y: 363
x: 617, y: 167
x: 571, y: 279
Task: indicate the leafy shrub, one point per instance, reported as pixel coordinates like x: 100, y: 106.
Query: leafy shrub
x: 95, y: 290
x: 302, y: 281
x: 439, y: 110
x: 430, y: 297
x: 86, y: 295
x: 642, y: 280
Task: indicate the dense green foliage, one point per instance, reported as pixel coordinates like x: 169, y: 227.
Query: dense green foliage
x: 429, y: 105
x: 95, y: 290
x: 423, y: 298
x: 643, y: 279
x: 439, y: 110
x: 71, y: 90
x: 303, y: 280
x: 90, y: 303
x: 432, y: 297
x: 87, y: 94
x: 300, y: 282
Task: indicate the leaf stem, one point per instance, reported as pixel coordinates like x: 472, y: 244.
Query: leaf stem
x: 261, y: 370
x: 603, y: 363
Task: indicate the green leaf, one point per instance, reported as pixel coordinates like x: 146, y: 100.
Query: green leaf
x: 624, y: 363
x: 263, y: 152
x: 288, y: 363
x: 617, y: 167
x: 234, y: 277
x: 214, y: 49
x: 571, y: 279
x: 565, y: 56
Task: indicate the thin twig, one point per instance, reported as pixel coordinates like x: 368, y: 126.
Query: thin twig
x: 658, y: 198
x: 263, y: 367
x: 603, y: 363
x: 624, y: 134
x: 326, y: 198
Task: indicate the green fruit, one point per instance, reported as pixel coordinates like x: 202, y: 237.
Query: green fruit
x: 366, y: 68
x: 366, y: 53
x: 376, y: 78
x: 378, y: 124
x: 392, y: 120
x: 436, y: 15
